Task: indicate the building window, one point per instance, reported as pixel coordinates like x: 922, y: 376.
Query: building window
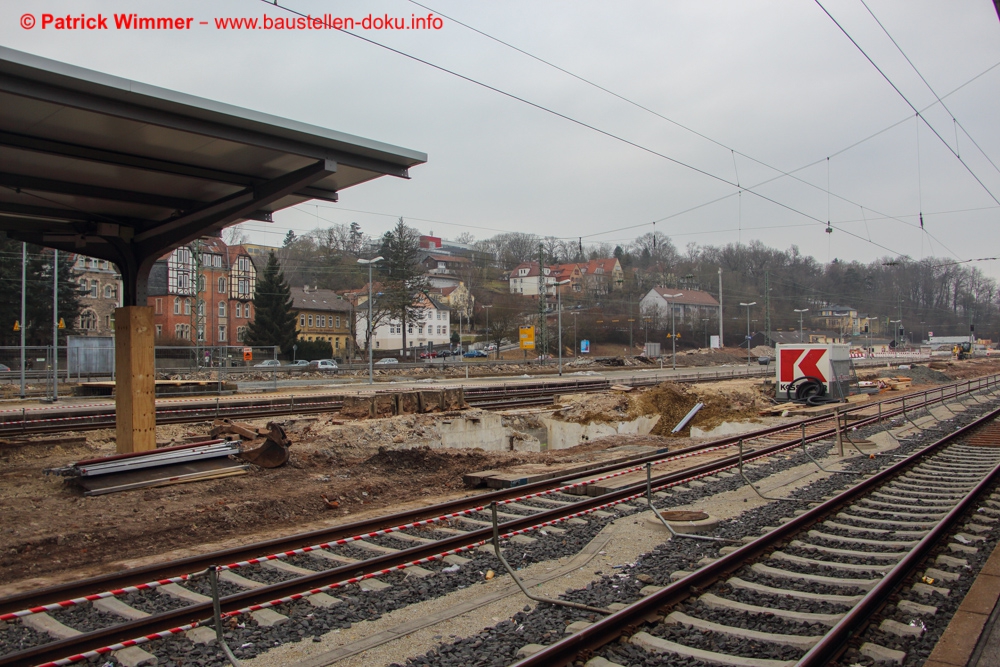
x: 177, y: 305
x: 302, y: 320
x: 201, y: 283
x: 201, y: 308
x: 109, y: 292
x: 222, y: 311
x: 88, y: 320
x: 246, y: 311
x: 241, y: 332
x: 222, y: 333
x: 187, y: 306
x: 217, y: 262
x: 159, y: 307
x: 93, y: 288
x: 336, y: 344
x: 93, y: 263
x: 182, y: 331
x: 159, y: 330
x: 310, y: 320
x: 338, y: 321
x: 222, y: 285
x: 201, y: 334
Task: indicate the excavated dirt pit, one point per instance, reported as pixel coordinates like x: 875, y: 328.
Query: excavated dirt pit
x: 50, y: 532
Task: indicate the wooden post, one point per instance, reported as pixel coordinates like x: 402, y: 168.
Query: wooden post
x: 135, y: 400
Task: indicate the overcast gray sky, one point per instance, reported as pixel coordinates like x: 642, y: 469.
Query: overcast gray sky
x: 776, y: 81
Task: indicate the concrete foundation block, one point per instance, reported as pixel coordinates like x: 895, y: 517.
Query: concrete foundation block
x: 575, y: 627
x: 374, y: 585
x: 322, y: 600
x: 417, y: 571
x: 237, y: 580
x: 601, y: 662
x: 119, y: 608
x: 268, y: 618
x: 529, y: 650
x: 949, y: 561
x: 926, y: 590
x: 44, y: 623
x: 882, y: 655
x: 181, y: 593
x: 133, y: 656
x: 201, y: 635
x: 892, y: 627
x: 455, y: 560
x: 649, y: 590
x: 522, y: 539
x: 915, y: 608
x: 941, y: 575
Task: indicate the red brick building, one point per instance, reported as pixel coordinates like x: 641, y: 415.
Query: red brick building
x: 203, y: 292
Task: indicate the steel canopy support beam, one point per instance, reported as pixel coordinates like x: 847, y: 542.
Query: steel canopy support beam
x: 102, y: 156
x: 159, y: 237
x: 95, y: 192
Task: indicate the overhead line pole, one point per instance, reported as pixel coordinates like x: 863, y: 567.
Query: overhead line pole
x: 24, y: 301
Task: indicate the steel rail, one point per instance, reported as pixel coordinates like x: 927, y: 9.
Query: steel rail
x: 165, y: 621
x: 649, y: 609
x: 178, y: 567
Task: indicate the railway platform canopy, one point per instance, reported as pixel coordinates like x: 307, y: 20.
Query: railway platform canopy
x: 120, y: 170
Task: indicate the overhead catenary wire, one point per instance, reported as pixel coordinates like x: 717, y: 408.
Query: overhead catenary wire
x: 580, y: 123
x: 908, y: 102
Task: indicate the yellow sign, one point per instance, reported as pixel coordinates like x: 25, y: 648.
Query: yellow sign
x: 17, y: 325
x: 527, y: 338
x: 248, y: 354
x: 62, y: 323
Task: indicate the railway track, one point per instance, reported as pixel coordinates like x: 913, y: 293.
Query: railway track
x: 170, y: 598
x: 814, y: 582
x: 23, y: 421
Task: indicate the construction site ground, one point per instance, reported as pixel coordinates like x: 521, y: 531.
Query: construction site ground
x: 50, y: 532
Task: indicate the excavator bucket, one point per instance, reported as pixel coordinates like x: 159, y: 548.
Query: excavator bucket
x: 268, y: 455
x: 272, y: 453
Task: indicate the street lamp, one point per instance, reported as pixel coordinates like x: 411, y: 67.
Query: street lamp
x: 487, y: 309
x: 747, y: 306
x: 800, y: 311
x: 559, y: 317
x: 673, y: 328
x: 369, y: 262
x: 576, y: 350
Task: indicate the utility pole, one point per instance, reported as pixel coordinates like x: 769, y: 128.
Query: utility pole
x: 24, y: 301
x: 198, y: 313
x: 542, y: 295
x: 721, y: 339
x: 767, y: 309
x: 55, y: 325
x: 747, y: 305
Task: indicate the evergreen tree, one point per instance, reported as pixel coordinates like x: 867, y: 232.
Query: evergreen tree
x: 39, y: 294
x: 274, y: 320
x: 289, y: 239
x: 403, y: 277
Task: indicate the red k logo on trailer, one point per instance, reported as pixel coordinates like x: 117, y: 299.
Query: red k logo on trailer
x: 805, y: 362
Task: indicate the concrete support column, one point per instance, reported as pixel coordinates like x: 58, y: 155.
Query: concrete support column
x: 135, y: 399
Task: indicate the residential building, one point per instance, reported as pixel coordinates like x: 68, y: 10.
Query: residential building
x: 100, y: 293
x: 432, y: 327
x: 259, y: 252
x: 687, y: 304
x: 322, y: 314
x: 524, y: 280
x: 598, y: 276
x: 203, y: 292
x: 842, y: 319
x: 458, y: 298
x: 447, y: 265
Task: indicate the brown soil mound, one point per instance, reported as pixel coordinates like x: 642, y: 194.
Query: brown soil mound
x: 672, y: 401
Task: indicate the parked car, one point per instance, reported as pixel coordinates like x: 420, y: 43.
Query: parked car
x: 491, y: 347
x: 474, y: 353
x: 298, y: 362
x: 426, y: 355
x: 267, y: 362
x: 387, y: 361
x: 4, y: 368
x: 323, y: 365
x: 444, y: 354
